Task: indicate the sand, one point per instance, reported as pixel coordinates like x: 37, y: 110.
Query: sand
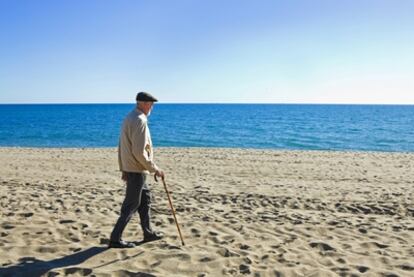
x: 242, y: 213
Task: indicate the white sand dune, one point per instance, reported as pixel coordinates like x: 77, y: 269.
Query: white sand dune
x: 242, y: 213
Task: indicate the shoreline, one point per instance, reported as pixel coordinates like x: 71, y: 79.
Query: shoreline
x: 216, y: 148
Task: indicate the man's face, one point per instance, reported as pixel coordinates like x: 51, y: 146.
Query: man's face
x: 148, y: 107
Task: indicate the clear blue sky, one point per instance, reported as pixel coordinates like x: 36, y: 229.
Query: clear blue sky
x: 289, y: 51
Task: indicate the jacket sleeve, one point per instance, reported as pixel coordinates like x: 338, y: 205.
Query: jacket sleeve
x: 139, y: 143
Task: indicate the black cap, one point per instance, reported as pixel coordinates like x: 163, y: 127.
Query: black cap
x: 146, y: 97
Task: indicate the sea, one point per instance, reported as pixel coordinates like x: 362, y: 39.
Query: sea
x: 388, y: 128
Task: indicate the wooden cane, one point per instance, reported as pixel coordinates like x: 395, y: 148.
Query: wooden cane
x: 172, y: 208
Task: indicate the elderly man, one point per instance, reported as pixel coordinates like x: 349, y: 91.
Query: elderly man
x: 135, y: 157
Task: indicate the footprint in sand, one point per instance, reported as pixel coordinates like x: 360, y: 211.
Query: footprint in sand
x: 362, y: 268
x: 26, y: 214
x: 8, y: 226
x: 244, y: 247
x: 78, y: 271
x: 340, y: 260
x: 264, y: 258
x: 244, y: 269
x: 195, y: 232
x: 65, y: 221
x: 362, y: 230
x: 322, y: 246
x: 73, y: 239
x: 406, y: 266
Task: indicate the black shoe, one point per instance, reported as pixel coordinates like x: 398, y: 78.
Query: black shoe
x: 120, y: 244
x: 153, y: 236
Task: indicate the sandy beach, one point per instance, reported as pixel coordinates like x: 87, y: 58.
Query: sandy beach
x: 242, y: 213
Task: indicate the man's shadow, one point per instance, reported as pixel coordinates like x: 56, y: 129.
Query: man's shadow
x: 30, y: 266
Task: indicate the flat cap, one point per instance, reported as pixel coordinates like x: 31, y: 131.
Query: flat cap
x: 146, y: 97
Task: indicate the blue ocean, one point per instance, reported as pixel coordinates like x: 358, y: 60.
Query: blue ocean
x: 260, y: 126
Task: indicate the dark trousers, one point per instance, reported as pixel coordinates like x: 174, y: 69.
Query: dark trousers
x: 137, y: 198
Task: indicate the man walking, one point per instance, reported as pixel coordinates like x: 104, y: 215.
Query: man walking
x: 135, y: 157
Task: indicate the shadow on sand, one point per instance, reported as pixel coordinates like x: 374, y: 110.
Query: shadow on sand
x: 30, y: 266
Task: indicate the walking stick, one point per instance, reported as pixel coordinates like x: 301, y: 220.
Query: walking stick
x: 172, y: 208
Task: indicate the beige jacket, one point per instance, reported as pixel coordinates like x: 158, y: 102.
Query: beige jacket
x: 135, y: 153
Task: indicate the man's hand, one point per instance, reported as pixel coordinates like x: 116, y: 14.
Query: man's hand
x: 159, y: 173
x: 124, y: 176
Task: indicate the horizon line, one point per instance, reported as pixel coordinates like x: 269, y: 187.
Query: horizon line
x: 211, y: 103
